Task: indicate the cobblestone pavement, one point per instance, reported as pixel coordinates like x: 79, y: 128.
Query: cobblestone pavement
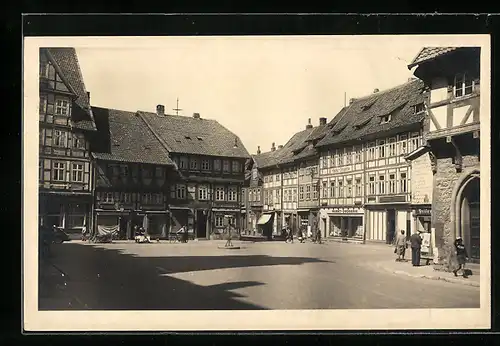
x: 272, y: 275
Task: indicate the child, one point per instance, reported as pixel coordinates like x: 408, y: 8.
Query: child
x: 461, y: 256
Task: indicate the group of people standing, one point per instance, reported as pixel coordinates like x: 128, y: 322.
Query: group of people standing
x: 415, y: 242
x: 302, y: 234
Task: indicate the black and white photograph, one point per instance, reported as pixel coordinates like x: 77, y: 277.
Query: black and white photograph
x: 256, y: 182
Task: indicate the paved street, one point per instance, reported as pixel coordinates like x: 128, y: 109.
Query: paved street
x: 199, y: 275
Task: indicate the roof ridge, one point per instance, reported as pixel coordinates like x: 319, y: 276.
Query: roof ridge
x: 378, y: 93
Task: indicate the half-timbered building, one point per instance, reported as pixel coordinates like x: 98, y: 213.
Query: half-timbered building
x: 210, y: 163
x: 65, y: 122
x: 452, y: 77
x: 365, y: 179
x: 132, y: 171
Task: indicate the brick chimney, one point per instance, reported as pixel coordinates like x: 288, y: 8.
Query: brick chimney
x: 273, y: 147
x: 258, y: 150
x: 322, y: 121
x: 309, y: 125
x: 376, y: 90
x: 351, y: 101
x: 280, y: 146
x: 196, y: 115
x: 160, y: 110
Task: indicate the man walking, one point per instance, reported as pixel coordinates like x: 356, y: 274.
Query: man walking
x: 400, y: 246
x: 416, y: 244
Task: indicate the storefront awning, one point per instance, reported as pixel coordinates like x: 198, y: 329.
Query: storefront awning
x: 264, y: 219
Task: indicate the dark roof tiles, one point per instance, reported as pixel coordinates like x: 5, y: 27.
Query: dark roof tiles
x: 429, y: 53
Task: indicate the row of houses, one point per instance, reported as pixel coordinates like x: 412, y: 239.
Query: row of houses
x: 406, y: 158
x: 110, y: 170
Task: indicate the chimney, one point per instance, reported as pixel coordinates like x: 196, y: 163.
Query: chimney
x: 88, y: 96
x: 351, y: 101
x: 258, y: 150
x: 273, y: 147
x: 375, y: 90
x: 322, y: 121
x: 160, y: 110
x: 280, y: 146
x: 309, y: 126
x: 196, y: 115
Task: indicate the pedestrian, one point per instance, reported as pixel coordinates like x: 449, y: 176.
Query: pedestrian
x: 416, y: 244
x: 318, y: 233
x: 186, y: 234
x: 400, y: 247
x: 229, y: 243
x: 462, y: 255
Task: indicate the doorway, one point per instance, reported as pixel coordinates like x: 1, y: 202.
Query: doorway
x: 391, y: 226
x: 201, y: 224
x: 470, y: 225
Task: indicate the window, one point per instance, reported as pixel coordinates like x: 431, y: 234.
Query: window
x: 77, y: 172
x: 78, y: 142
x: 278, y: 196
x: 60, y: 138
x: 402, y: 145
x: 225, y: 166
x: 62, y: 107
x: 348, y: 157
x: 205, y: 165
x: 236, y: 166
x: 183, y: 163
x: 464, y: 85
x: 371, y: 151
x: 301, y: 193
x: 157, y: 198
x: 193, y: 163
x: 181, y: 191
x: 358, y: 155
x: 392, y: 147
x: 332, y: 189
x: 43, y: 104
x: 324, y: 192
x: 278, y: 177
x: 341, y: 188
x: 203, y: 192
x: 381, y: 149
x: 294, y: 195
x: 385, y: 119
x: 217, y: 164
x: 332, y: 159
x: 381, y: 184
x: 40, y: 169
x: 219, y: 193
x: 418, y: 108
x: 146, y: 172
x: 403, y: 183
x: 315, y: 191
x: 251, y: 195
x: 371, y: 185
x: 349, y: 188
x: 340, y: 158
x: 415, y: 141
x: 58, y: 171
x: 258, y: 195
x: 271, y: 178
x: 285, y: 195
x: 358, y: 187
x: 308, y: 192
x: 127, y: 198
x: 147, y: 198
x: 392, y: 183
x: 107, y: 197
x: 219, y: 221
x: 159, y: 172
x: 232, y: 194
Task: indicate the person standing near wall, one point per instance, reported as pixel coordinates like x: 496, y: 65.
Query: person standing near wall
x: 416, y: 244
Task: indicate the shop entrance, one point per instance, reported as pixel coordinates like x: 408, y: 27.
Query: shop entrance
x: 201, y: 224
x: 391, y: 225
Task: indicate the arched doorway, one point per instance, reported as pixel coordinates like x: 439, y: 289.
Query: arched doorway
x: 469, y: 216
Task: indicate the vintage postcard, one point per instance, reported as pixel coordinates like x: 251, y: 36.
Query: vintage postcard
x: 256, y: 183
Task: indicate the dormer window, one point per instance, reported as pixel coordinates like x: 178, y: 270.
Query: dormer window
x: 385, y: 119
x: 464, y: 85
x: 418, y: 108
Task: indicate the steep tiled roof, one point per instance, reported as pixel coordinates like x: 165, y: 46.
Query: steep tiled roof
x: 67, y: 62
x: 429, y: 53
x: 267, y: 159
x: 124, y: 137
x: 198, y: 136
x: 362, y: 117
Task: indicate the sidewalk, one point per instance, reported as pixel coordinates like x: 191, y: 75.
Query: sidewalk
x: 428, y: 272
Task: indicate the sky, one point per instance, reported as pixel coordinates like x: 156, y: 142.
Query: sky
x: 264, y: 89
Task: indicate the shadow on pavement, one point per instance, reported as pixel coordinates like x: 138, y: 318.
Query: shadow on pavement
x: 108, y: 279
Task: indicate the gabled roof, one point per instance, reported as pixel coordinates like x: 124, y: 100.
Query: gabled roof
x: 357, y: 122
x: 124, y: 137
x: 429, y: 53
x: 188, y: 135
x: 67, y: 63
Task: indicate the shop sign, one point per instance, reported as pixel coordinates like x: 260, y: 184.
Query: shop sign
x: 340, y: 170
x: 347, y: 210
x: 423, y: 212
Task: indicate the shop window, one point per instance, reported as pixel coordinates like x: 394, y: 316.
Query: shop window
x: 77, y: 172
x: 58, y: 171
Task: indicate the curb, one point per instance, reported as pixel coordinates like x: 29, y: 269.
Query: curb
x: 433, y: 277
